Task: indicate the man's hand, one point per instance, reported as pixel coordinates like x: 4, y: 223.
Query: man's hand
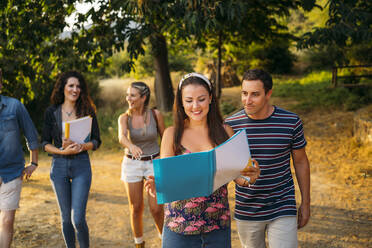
x: 303, y: 215
x: 27, y: 172
x: 252, y: 171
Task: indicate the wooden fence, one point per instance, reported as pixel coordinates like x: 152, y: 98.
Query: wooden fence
x: 353, y: 80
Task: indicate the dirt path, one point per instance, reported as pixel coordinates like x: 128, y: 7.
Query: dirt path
x: 341, y: 197
x: 341, y: 217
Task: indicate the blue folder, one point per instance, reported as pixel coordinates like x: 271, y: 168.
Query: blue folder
x: 194, y: 175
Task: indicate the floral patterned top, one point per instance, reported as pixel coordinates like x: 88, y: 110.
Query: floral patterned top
x: 200, y: 214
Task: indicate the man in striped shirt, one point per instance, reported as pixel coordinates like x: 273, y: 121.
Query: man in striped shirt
x: 274, y: 134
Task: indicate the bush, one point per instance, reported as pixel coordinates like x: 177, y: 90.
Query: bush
x: 322, y: 58
x: 227, y: 107
x: 108, y: 125
x: 361, y: 54
x: 116, y: 64
x: 273, y: 56
x: 144, y: 65
x: 315, y: 91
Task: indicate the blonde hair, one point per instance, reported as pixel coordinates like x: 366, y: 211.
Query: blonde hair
x: 144, y: 90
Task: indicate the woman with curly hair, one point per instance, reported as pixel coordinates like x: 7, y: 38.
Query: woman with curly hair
x: 70, y: 173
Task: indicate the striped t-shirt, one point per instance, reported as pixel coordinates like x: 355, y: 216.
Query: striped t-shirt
x: 270, y: 141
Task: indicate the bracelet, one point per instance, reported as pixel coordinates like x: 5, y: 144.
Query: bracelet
x: 246, y: 181
x: 35, y: 164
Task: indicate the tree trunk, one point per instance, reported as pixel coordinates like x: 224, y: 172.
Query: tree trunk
x: 163, y: 83
x: 218, y: 78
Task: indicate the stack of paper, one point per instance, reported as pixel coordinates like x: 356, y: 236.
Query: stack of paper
x: 201, y: 173
x: 79, y: 130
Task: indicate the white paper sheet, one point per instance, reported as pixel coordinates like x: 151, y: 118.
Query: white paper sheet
x: 231, y: 157
x: 80, y: 129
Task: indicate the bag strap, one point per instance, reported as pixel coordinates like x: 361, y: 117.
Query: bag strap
x: 156, y: 119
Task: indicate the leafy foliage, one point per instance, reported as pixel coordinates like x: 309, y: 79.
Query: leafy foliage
x: 322, y: 57
x: 130, y: 24
x: 231, y: 27
x: 206, y: 21
x: 32, y: 51
x: 272, y: 55
x: 349, y: 23
x: 28, y: 34
x: 180, y: 59
x: 348, y: 28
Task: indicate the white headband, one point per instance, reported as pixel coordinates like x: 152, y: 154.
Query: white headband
x: 194, y: 74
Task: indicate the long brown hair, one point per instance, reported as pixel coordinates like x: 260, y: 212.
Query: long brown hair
x: 84, y: 104
x: 216, y: 131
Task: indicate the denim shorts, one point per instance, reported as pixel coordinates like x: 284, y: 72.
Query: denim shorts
x: 133, y: 171
x: 10, y: 194
x: 214, y: 239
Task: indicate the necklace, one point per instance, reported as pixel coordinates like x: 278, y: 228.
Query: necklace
x: 68, y: 113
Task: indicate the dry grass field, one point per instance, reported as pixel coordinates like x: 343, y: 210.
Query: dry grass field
x: 341, y: 190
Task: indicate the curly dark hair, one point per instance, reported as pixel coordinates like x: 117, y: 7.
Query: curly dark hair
x: 217, y: 132
x: 84, y: 105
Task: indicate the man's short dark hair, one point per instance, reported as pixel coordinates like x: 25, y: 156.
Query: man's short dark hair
x: 259, y: 74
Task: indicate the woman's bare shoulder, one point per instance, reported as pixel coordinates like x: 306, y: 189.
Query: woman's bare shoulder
x: 123, y: 116
x: 169, y: 132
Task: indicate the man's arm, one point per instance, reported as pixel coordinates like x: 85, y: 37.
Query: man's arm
x: 31, y: 136
x: 27, y: 172
x: 302, y: 170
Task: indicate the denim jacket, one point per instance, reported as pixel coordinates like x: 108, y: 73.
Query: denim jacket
x: 14, y: 118
x: 52, y: 130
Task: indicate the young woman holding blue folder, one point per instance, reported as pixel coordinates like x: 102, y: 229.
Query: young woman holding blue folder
x: 71, y: 173
x: 198, y: 126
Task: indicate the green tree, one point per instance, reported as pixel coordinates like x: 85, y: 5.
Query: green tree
x: 33, y: 52
x: 232, y: 21
x: 28, y: 33
x: 349, y: 25
x: 154, y: 21
x: 134, y: 23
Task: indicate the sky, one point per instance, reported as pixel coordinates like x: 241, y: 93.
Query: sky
x: 81, y: 8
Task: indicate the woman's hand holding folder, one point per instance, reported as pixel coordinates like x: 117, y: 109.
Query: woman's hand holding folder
x: 150, y: 186
x: 70, y: 148
x: 66, y: 142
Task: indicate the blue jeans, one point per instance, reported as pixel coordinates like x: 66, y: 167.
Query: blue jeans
x: 71, y: 178
x: 214, y: 239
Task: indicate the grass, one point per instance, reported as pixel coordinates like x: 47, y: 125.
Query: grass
x: 315, y: 91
